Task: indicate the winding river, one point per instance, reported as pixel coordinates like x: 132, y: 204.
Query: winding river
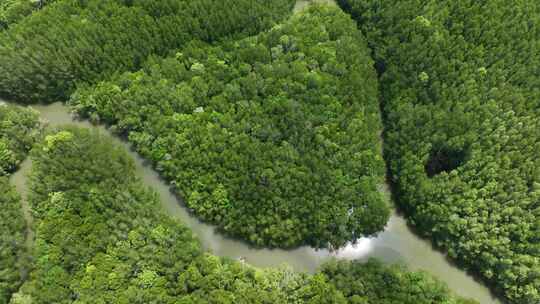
x: 396, y: 244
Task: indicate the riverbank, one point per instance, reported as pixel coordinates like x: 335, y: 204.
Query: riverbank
x: 397, y: 243
x: 18, y: 180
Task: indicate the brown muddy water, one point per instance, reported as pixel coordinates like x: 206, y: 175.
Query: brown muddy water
x: 397, y: 243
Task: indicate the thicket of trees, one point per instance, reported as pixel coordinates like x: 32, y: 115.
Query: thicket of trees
x: 18, y: 131
x: 70, y: 41
x: 274, y: 138
x: 102, y: 237
x: 460, y: 86
x: 12, y: 11
x: 372, y: 282
x: 12, y: 228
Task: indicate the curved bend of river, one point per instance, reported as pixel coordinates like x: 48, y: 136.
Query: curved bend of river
x: 396, y: 244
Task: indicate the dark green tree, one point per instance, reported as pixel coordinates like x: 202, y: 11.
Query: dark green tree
x: 102, y: 237
x: 43, y: 57
x: 372, y: 282
x: 19, y: 129
x: 274, y: 138
x: 459, y: 84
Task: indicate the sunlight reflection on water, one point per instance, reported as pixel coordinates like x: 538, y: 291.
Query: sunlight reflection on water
x: 361, y: 249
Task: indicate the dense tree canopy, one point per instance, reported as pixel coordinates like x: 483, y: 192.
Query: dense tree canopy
x: 12, y: 228
x: 12, y: 11
x: 372, y: 282
x: 460, y: 88
x: 70, y: 41
x: 102, y: 237
x: 274, y: 138
x: 19, y: 129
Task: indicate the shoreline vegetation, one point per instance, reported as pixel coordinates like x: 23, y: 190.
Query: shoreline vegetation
x: 397, y: 244
x: 130, y: 251
x: 266, y: 118
x: 83, y: 166
x: 462, y: 120
x: 264, y: 137
x: 19, y: 130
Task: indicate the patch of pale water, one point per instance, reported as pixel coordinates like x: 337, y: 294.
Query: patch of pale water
x: 302, y: 4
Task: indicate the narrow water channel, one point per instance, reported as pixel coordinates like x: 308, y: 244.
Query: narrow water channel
x: 396, y: 244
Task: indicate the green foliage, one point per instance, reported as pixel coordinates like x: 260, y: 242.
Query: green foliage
x: 12, y: 228
x: 110, y: 278
x: 19, y: 128
x: 103, y: 238
x: 44, y: 56
x: 87, y: 200
x: 462, y: 105
x: 273, y: 138
x: 373, y: 283
x: 12, y: 11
